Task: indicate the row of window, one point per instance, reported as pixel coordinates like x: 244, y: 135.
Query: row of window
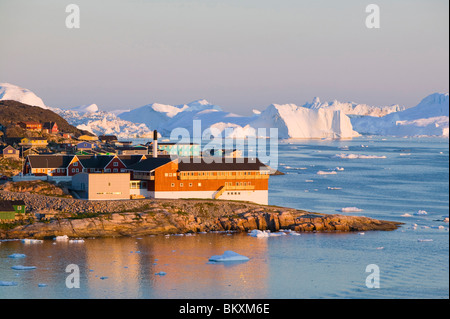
x: 182, y: 185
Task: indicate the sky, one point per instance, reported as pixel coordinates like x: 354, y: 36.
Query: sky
x: 239, y: 54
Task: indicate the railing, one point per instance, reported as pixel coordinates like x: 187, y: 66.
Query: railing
x: 225, y: 177
x: 225, y: 188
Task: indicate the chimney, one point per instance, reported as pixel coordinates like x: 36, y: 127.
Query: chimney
x: 155, y: 144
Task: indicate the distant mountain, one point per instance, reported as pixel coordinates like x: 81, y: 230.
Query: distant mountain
x: 13, y: 111
x: 429, y: 118
x: 314, y: 119
x: 13, y: 92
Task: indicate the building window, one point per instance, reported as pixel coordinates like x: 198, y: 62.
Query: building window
x: 172, y: 185
x: 75, y: 164
x: 181, y: 184
x: 199, y: 184
x: 115, y: 170
x: 166, y: 174
x: 73, y: 170
x: 116, y: 164
x: 190, y: 184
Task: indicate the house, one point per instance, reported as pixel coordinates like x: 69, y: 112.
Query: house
x: 50, y: 127
x: 132, y: 150
x: 244, y: 179
x: 177, y: 149
x: 87, y: 138
x: 9, y: 209
x: 109, y: 139
x: 33, y: 142
x: 85, y: 146
x: 31, y: 126
x: 10, y: 152
x: 93, y: 186
x: 70, y: 165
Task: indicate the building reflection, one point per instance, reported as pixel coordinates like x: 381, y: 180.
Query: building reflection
x: 128, y: 267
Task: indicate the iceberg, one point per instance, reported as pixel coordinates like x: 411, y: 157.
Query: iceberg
x: 351, y: 209
x: 8, y: 283
x: 428, y: 118
x: 13, y: 92
x: 17, y: 255
x: 20, y: 267
x: 32, y: 241
x: 229, y: 255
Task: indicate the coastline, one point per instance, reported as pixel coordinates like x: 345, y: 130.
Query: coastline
x: 82, y: 219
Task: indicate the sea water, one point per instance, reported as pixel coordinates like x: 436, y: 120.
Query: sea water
x: 398, y: 179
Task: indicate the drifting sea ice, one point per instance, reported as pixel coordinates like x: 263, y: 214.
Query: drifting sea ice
x: 17, y: 255
x: 421, y: 212
x: 351, y: 209
x: 20, y: 267
x: 355, y: 156
x: 61, y: 238
x: 228, y: 255
x: 8, y: 283
x: 326, y: 173
x: 32, y: 241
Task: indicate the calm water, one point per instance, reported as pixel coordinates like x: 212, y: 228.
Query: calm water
x: 401, y: 176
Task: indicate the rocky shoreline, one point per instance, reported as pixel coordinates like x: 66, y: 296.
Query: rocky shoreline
x: 81, y: 219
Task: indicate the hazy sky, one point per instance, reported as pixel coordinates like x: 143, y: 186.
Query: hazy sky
x: 239, y: 54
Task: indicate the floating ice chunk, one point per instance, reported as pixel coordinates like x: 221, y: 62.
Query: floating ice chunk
x: 334, y: 188
x: 309, y: 181
x: 406, y: 215
x: 351, y: 209
x: 62, y: 238
x: 8, y: 283
x: 380, y: 248
x: 228, y: 255
x: 77, y: 241
x: 424, y: 240
x: 32, y: 241
x: 340, y: 168
x: 294, y: 233
x: 361, y: 233
x: 258, y: 233
x: 446, y: 220
x: 326, y: 173
x: 20, y: 267
x: 358, y: 156
x: 421, y: 212
x: 17, y: 256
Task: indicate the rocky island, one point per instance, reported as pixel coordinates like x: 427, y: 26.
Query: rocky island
x: 52, y: 216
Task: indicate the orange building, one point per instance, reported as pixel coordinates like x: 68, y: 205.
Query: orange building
x: 244, y: 179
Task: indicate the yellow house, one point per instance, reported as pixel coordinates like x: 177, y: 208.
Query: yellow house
x: 87, y: 138
x: 33, y: 142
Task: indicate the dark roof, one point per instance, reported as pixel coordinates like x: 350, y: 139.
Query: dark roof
x: 50, y: 161
x: 219, y: 163
x: 129, y: 160
x: 95, y: 161
x: 127, y: 148
x: 49, y: 125
x: 6, y: 206
x: 18, y: 202
x: 150, y: 164
x: 107, y: 138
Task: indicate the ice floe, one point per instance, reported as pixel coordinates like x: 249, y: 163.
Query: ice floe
x: 359, y: 156
x: 32, y: 241
x: 228, y: 255
x: 8, y: 283
x: 61, y: 238
x: 20, y: 267
x: 351, y: 209
x: 326, y: 173
x: 421, y: 212
x: 17, y: 255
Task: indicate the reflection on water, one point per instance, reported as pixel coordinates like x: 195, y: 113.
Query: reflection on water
x: 127, y: 267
